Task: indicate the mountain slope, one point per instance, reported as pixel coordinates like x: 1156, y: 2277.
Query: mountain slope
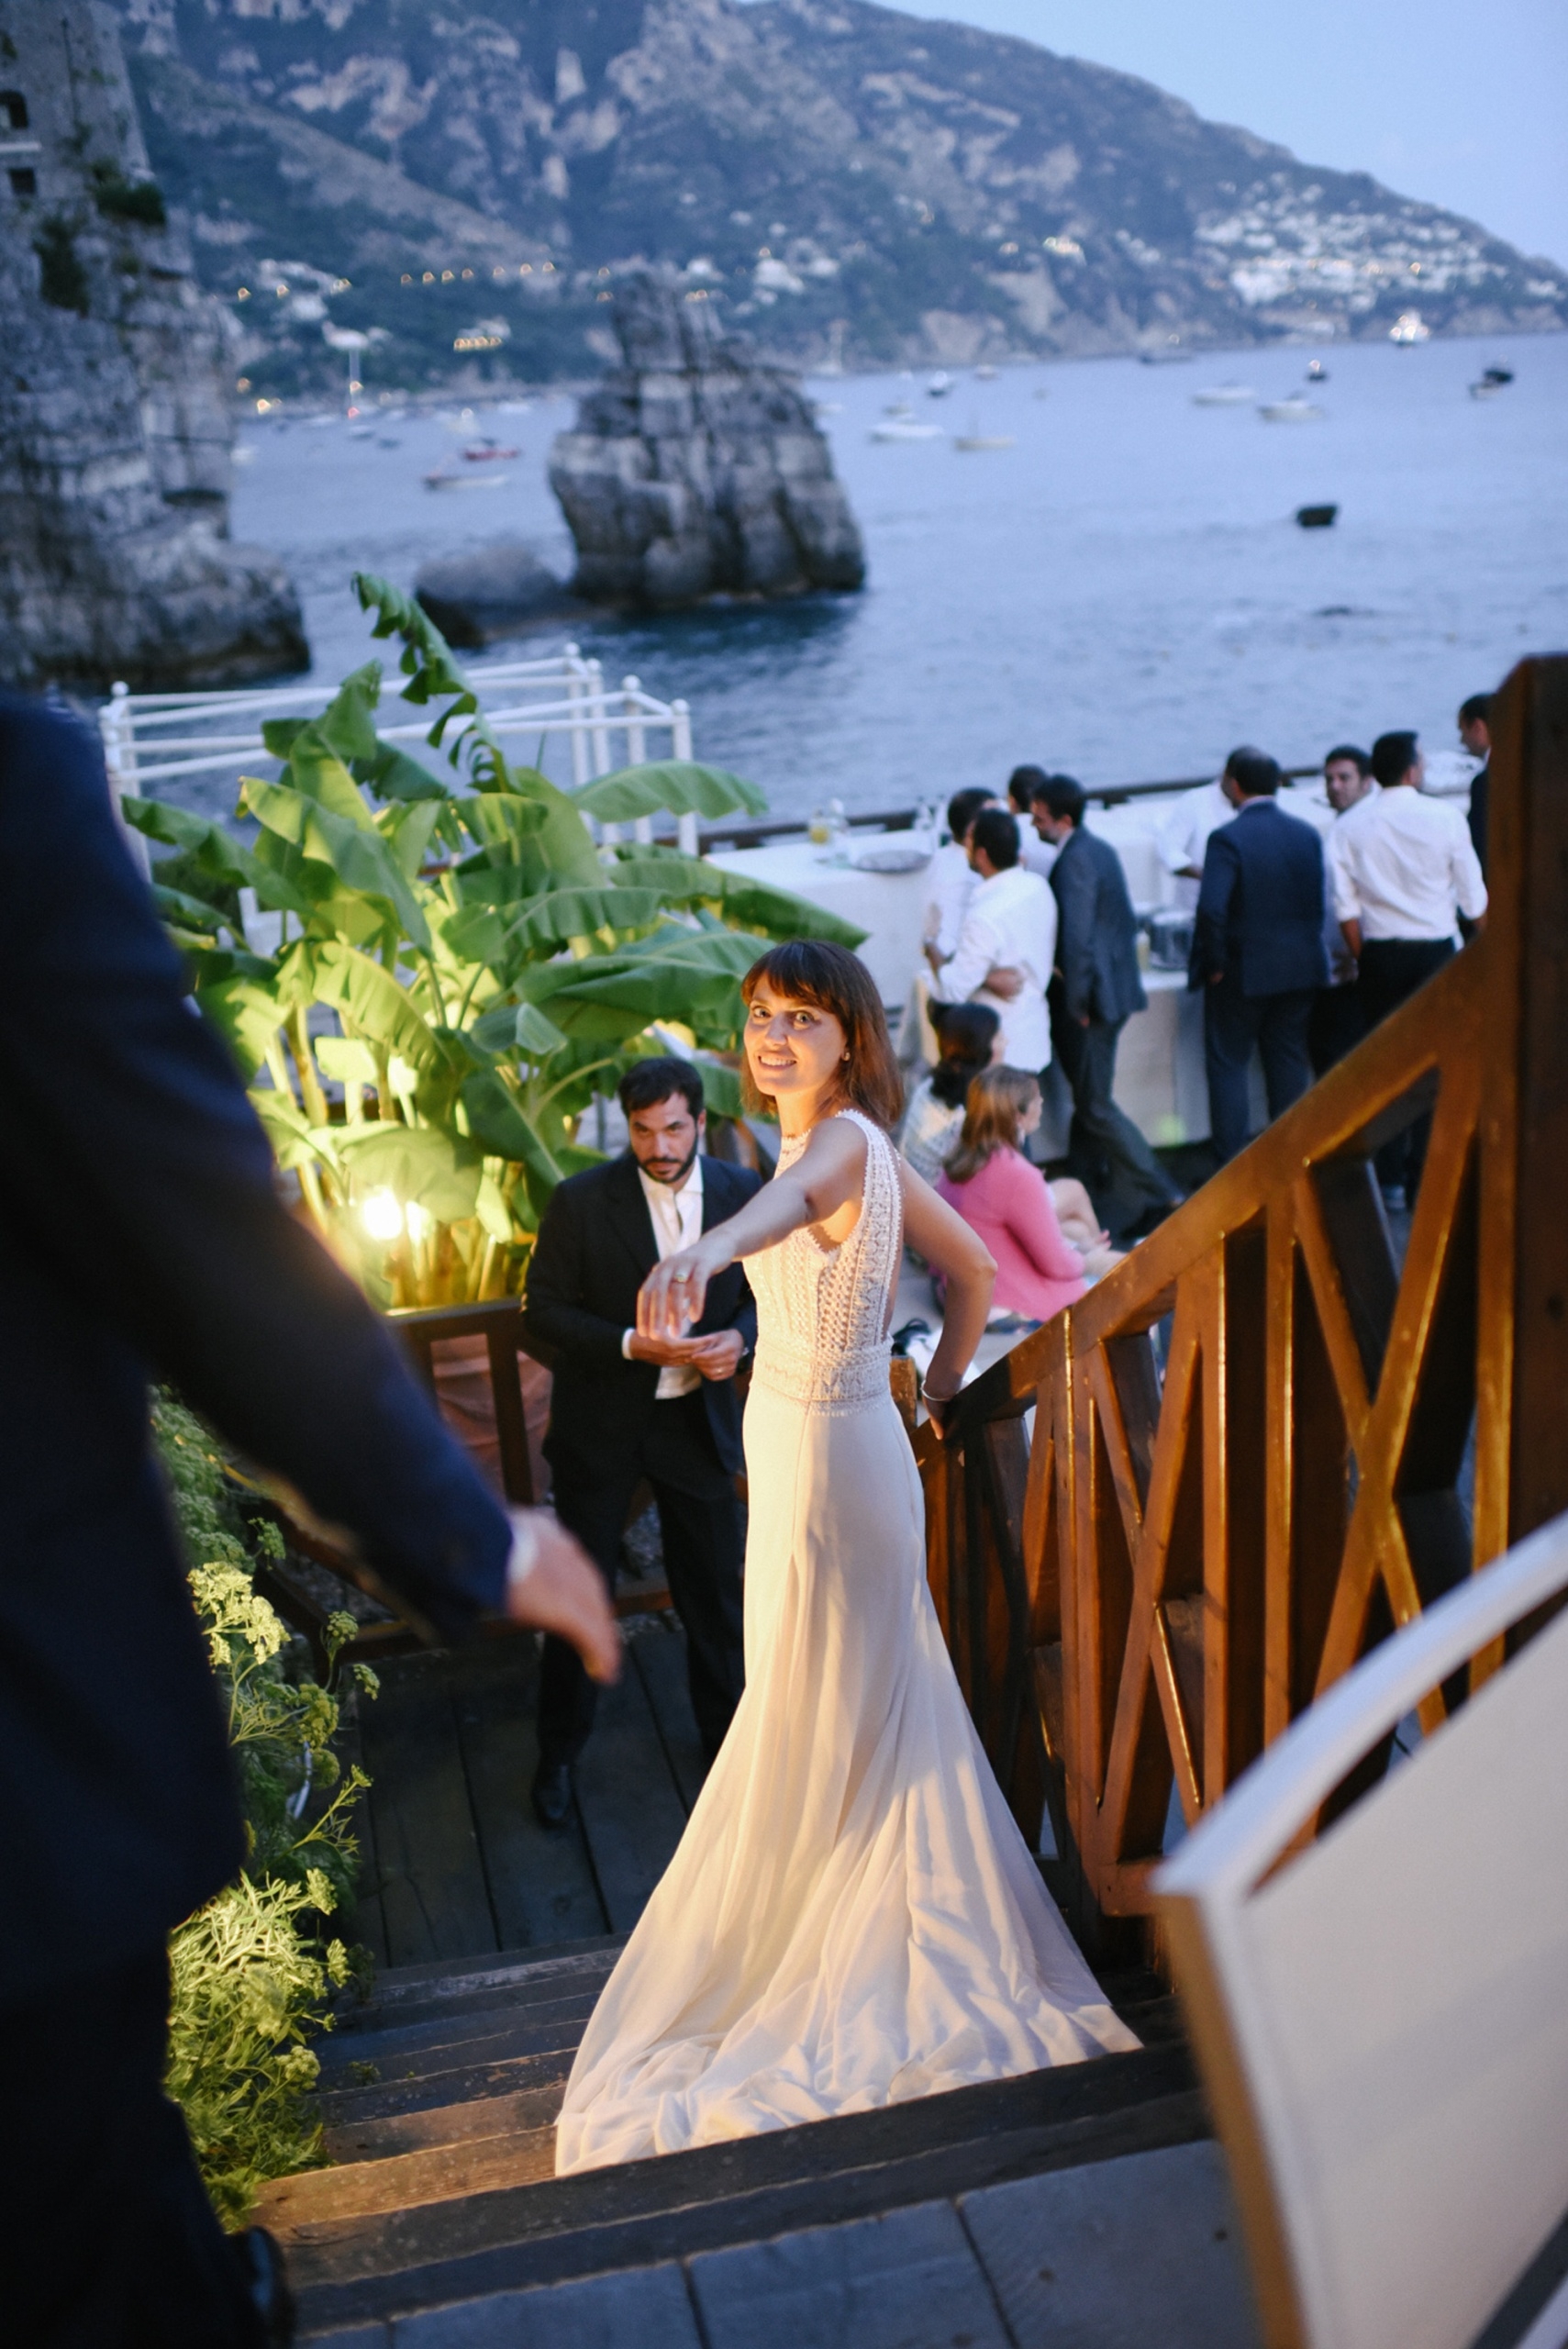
x: 937, y: 191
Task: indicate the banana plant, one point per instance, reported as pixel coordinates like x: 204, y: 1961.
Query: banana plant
x: 461, y: 967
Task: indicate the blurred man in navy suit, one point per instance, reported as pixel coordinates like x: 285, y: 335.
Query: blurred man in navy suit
x: 1258, y: 950
x: 140, y: 1230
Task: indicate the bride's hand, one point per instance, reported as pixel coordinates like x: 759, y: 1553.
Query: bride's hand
x: 670, y: 1300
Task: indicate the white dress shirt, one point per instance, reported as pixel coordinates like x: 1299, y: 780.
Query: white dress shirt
x: 676, y: 1213
x: 950, y: 882
x: 1404, y: 866
x: 1182, y: 834
x: 1011, y: 922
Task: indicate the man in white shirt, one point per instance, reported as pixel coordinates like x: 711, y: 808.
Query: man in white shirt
x: 1010, y: 926
x: 950, y: 879
x: 1404, y: 869
x: 625, y: 1407
x: 1339, y: 1022
x: 1182, y: 834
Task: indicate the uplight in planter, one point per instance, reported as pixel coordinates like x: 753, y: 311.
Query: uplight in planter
x: 381, y: 1215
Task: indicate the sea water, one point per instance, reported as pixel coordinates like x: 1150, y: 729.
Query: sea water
x: 1123, y: 593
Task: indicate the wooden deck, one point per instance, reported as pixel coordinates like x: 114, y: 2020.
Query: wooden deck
x: 453, y: 1863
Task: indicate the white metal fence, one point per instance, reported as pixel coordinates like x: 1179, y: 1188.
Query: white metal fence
x: 155, y: 738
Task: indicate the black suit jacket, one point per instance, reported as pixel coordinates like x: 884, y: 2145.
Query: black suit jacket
x: 1097, y: 931
x: 1260, y: 909
x: 595, y: 1250
x: 1480, y: 796
x: 140, y: 1226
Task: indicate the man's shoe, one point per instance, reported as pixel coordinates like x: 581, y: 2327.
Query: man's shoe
x: 265, y: 2286
x: 552, y: 1794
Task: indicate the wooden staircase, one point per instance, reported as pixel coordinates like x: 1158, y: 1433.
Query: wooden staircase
x: 442, y: 2222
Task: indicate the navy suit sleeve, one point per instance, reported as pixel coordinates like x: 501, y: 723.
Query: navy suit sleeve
x: 133, y: 1162
x: 1221, y: 868
x: 558, y: 1282
x: 1073, y: 878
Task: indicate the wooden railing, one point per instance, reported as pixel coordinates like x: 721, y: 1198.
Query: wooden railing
x: 1260, y: 1442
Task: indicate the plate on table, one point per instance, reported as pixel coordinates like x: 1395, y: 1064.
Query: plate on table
x: 890, y: 859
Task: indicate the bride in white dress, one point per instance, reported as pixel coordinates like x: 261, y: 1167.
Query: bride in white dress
x: 852, y: 1918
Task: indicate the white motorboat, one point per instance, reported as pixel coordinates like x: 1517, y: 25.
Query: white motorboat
x: 1316, y: 371
x: 939, y: 386
x: 441, y: 479
x: 899, y: 428
x: 976, y: 440
x: 1296, y: 409
x: 1225, y: 396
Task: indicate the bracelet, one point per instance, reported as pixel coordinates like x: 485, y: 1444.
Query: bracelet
x: 524, y: 1556
x: 931, y: 1395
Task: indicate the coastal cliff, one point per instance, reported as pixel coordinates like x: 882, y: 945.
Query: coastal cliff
x: 693, y: 470
x: 115, y: 433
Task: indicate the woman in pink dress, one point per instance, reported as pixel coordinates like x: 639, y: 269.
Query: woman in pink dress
x: 1002, y: 1198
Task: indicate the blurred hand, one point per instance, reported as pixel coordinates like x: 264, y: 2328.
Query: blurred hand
x: 718, y: 1355
x: 671, y: 1299
x: 666, y: 1351
x: 1005, y: 982
x: 563, y: 1592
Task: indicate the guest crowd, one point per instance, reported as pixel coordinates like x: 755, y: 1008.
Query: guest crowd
x: 1304, y: 935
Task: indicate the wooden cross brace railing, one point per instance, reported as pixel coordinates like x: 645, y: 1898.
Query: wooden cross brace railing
x: 1260, y: 1442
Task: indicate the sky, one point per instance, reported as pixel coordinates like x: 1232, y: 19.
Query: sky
x: 1461, y: 103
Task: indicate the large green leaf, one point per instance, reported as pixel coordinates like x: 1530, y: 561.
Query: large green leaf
x: 217, y: 852
x: 438, y: 1172
x: 295, y: 1142
x: 542, y: 924
x: 518, y: 1027
x: 495, y: 1120
x: 355, y: 850
x: 691, y: 880
x: 375, y: 1004
x: 677, y: 786
x: 246, y: 1013
x: 393, y: 774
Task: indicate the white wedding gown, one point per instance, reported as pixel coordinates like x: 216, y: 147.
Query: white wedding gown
x: 852, y: 1918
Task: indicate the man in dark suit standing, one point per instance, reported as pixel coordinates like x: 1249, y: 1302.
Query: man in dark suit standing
x: 1475, y: 733
x: 1094, y: 993
x: 1258, y: 949
x: 140, y: 1226
x: 627, y: 1408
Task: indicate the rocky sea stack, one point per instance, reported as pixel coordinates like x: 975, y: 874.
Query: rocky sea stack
x: 694, y: 469
x: 114, y: 427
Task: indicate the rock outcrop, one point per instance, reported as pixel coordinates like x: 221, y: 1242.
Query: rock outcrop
x: 484, y: 593
x: 695, y: 470
x: 115, y: 434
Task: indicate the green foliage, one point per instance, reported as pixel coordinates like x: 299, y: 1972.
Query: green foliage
x: 251, y: 1971
x: 488, y: 967
x: 119, y: 198
x: 63, y: 281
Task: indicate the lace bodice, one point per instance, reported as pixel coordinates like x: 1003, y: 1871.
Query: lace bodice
x: 823, y: 1314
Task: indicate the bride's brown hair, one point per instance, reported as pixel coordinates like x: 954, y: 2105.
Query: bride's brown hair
x: 809, y: 970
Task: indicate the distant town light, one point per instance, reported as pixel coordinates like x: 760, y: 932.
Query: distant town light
x: 262, y: 406
x: 550, y: 266
x: 341, y: 284
x: 243, y: 385
x: 468, y: 272
x: 525, y: 269
x: 447, y: 276
x: 280, y: 290
x: 406, y: 280
x: 428, y: 278
x: 243, y: 294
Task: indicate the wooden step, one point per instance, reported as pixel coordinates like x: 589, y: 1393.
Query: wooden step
x: 445, y: 2124
x: 352, y: 2269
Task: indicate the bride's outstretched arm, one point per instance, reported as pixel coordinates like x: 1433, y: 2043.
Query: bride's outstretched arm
x: 950, y: 1247
x: 828, y: 1174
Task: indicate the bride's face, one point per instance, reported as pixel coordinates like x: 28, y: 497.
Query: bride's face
x: 792, y: 1048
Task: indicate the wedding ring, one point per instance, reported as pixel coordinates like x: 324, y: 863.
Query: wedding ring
x: 680, y: 1276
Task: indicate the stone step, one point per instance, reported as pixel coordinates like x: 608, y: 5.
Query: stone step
x: 1138, y: 2248
x: 422, y: 2049
x: 353, y: 2268
x: 415, y: 1993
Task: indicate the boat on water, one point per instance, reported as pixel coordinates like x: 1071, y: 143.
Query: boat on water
x: 976, y: 440
x: 442, y: 479
x: 1296, y: 408
x: 1225, y: 396
x: 487, y: 453
x: 904, y: 428
x: 1490, y: 381
x: 986, y: 374
x: 939, y: 387
x: 1316, y: 371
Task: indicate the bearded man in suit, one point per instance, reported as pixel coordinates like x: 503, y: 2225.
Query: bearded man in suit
x: 628, y: 1408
